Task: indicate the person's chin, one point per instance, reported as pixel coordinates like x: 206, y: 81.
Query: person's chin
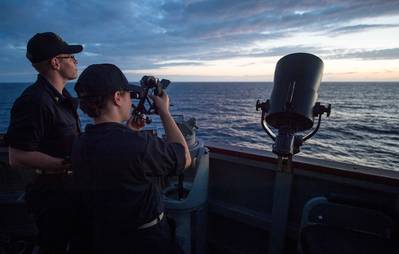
x: 74, y: 76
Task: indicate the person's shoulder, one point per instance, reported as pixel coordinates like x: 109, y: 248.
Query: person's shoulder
x: 131, y: 137
x: 33, y: 95
x: 126, y: 132
x: 40, y: 96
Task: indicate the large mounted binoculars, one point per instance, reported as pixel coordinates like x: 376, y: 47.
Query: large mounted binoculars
x: 291, y: 108
x: 292, y: 105
x: 149, y: 85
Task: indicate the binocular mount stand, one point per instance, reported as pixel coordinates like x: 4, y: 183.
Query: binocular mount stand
x: 286, y: 144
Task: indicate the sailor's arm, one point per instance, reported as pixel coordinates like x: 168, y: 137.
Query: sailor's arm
x: 37, y: 160
x: 172, y: 132
x: 29, y: 120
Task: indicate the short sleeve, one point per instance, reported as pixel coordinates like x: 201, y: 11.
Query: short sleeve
x: 162, y: 158
x: 27, y: 124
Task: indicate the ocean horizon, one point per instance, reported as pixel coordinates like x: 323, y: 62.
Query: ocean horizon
x: 362, y: 128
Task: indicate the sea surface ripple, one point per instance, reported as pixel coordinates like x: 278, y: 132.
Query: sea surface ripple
x: 363, y: 127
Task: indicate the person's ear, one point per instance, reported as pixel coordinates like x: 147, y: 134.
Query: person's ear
x: 55, y: 63
x: 118, y: 98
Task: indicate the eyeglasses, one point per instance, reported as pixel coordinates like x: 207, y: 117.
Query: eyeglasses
x: 64, y: 57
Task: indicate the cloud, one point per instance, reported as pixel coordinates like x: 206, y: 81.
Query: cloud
x: 381, y: 54
x: 214, y: 19
x: 179, y: 63
x: 359, y: 28
x: 141, y: 34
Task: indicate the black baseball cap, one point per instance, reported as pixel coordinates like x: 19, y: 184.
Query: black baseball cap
x: 44, y: 46
x: 103, y: 79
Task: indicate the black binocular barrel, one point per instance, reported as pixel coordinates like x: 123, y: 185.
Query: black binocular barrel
x: 296, y: 84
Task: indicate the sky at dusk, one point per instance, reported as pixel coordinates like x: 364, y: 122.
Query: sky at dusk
x: 209, y: 40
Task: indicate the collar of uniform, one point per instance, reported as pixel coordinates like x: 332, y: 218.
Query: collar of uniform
x: 52, y: 91
x: 104, y: 126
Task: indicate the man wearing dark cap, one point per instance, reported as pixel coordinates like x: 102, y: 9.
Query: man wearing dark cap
x: 120, y: 207
x: 44, y: 122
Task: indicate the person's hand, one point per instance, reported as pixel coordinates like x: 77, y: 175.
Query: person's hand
x: 66, y: 165
x: 136, y: 123
x: 161, y: 103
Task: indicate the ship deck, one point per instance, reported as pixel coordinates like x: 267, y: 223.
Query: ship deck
x: 245, y: 187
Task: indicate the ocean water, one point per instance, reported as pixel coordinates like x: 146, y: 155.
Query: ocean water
x: 363, y: 127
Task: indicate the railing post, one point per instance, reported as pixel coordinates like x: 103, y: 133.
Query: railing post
x: 281, y: 205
